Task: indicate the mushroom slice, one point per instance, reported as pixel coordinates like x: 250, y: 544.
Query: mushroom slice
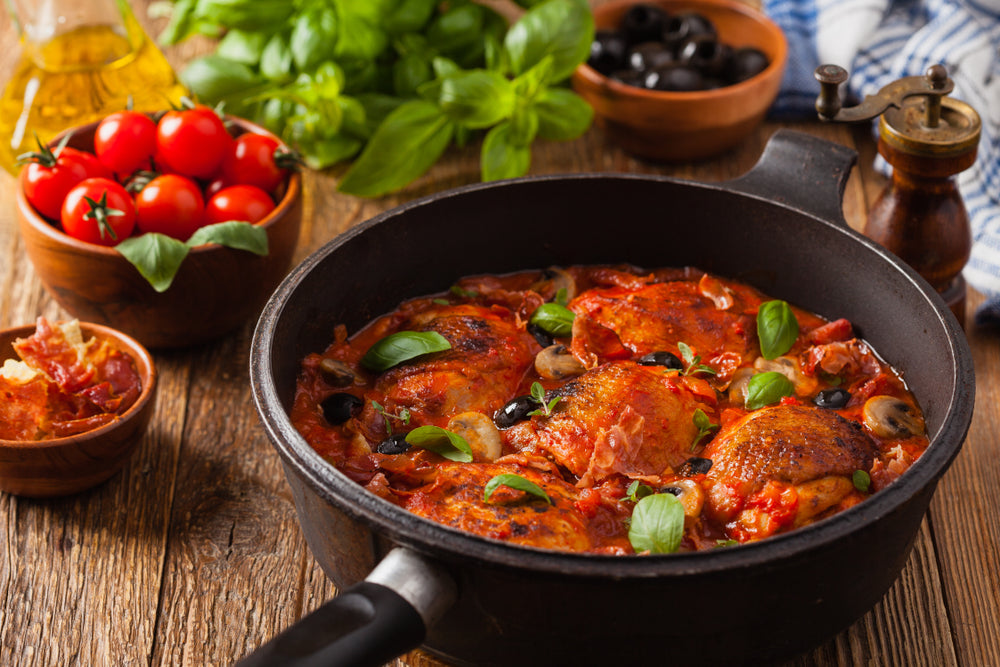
x: 336, y: 373
x: 553, y: 280
x: 738, y: 385
x: 481, y: 434
x: 557, y: 363
x: 691, y: 495
x: 891, y: 417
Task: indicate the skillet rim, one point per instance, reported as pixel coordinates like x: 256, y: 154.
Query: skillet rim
x: 449, y: 544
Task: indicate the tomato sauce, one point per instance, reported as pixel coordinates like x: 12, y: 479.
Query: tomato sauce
x: 568, y: 404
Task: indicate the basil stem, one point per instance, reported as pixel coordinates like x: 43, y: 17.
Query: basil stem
x: 402, y: 346
x: 441, y: 441
x: 777, y: 328
x: 657, y: 524
x: 515, y: 482
x: 767, y: 388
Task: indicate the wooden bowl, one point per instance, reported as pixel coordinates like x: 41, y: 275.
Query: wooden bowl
x: 63, y: 466
x: 669, y: 126
x: 216, y: 290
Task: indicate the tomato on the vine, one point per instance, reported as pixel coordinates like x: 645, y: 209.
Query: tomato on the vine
x: 49, y: 174
x: 124, y: 141
x: 257, y: 159
x: 98, y: 210
x: 170, y: 204
x: 243, y: 203
x: 192, y: 142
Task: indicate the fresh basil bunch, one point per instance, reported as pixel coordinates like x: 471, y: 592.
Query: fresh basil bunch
x: 392, y: 83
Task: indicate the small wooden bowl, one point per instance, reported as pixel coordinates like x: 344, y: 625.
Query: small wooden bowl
x: 63, y: 466
x: 669, y: 126
x: 216, y: 290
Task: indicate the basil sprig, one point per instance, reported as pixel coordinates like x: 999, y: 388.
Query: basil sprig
x: 553, y: 318
x: 767, y: 388
x: 158, y: 257
x: 538, y: 396
x: 657, y: 524
x: 441, y: 441
x: 777, y: 328
x: 515, y: 482
x: 704, y: 426
x: 402, y: 346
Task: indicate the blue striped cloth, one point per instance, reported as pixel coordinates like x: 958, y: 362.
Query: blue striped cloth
x: 879, y: 41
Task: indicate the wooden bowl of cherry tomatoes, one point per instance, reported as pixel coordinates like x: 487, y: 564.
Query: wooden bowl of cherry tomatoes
x: 173, y: 228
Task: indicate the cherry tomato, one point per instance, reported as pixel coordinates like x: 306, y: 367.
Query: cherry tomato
x: 244, y: 203
x: 257, y: 159
x: 171, y: 205
x: 49, y: 175
x: 192, y: 142
x: 124, y: 141
x: 98, y: 210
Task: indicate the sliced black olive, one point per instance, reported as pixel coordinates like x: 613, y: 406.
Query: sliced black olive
x: 695, y: 466
x: 643, y: 23
x: 514, y: 411
x: 681, y: 27
x: 649, y: 55
x: 832, y: 399
x: 608, y: 51
x: 338, y: 408
x: 541, y: 336
x: 745, y: 63
x: 661, y: 358
x: 676, y: 77
x: 706, y: 54
x: 394, y: 444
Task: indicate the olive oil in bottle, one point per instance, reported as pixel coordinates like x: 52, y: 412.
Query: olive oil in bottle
x: 80, y: 61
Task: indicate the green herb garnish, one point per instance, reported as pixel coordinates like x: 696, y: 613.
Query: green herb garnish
x: 515, y: 482
x: 862, y: 481
x: 636, y: 491
x: 553, y: 318
x: 767, y: 388
x: 777, y: 328
x: 403, y: 416
x: 692, y: 362
x: 703, y: 425
x: 402, y: 346
x: 538, y: 396
x: 657, y: 524
x: 441, y: 441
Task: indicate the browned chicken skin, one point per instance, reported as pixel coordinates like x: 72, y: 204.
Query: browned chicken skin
x: 618, y: 418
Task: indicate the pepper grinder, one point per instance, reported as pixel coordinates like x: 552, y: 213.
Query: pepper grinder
x: 927, y: 138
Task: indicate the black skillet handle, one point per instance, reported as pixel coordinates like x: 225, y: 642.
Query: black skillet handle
x: 803, y: 172
x: 369, y: 623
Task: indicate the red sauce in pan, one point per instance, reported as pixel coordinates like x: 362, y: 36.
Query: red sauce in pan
x: 656, y: 386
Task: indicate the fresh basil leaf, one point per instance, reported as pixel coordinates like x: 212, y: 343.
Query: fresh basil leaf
x: 444, y: 67
x: 263, y: 15
x: 219, y: 79
x: 563, y: 29
x: 323, y: 152
x: 402, y: 346
x: 862, y: 481
x: 156, y: 256
x: 242, y: 47
x: 777, y: 328
x: 657, y: 524
x: 441, y: 441
x: 359, y: 38
x: 500, y: 157
x: 562, y: 114
x: 409, y: 73
x: 476, y: 98
x: 276, y: 59
x: 636, y: 491
x: 233, y: 234
x: 767, y: 388
x: 704, y: 426
x: 409, y: 16
x: 554, y: 319
x: 514, y: 482
x: 538, y: 392
x: 536, y: 80
x: 313, y: 37
x: 404, y: 146
x: 457, y: 28
x: 523, y: 128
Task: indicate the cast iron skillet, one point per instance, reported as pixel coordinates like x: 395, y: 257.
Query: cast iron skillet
x: 474, y: 601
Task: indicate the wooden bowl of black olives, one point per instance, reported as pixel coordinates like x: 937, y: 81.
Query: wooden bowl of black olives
x: 680, y: 80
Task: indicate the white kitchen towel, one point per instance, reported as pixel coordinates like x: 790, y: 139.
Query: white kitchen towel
x: 879, y: 41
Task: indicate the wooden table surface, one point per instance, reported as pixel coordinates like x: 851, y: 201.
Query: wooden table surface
x: 192, y: 554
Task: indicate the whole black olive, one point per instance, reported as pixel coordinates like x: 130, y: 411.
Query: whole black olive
x: 833, y: 399
x: 608, y: 51
x: 629, y: 77
x: 676, y: 77
x: 672, y: 490
x: 661, y: 358
x: 706, y: 54
x: 514, y: 411
x: 649, y: 55
x: 338, y: 408
x: 643, y: 23
x: 695, y: 466
x: 745, y: 63
x: 541, y: 336
x: 394, y: 444
x: 681, y: 27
